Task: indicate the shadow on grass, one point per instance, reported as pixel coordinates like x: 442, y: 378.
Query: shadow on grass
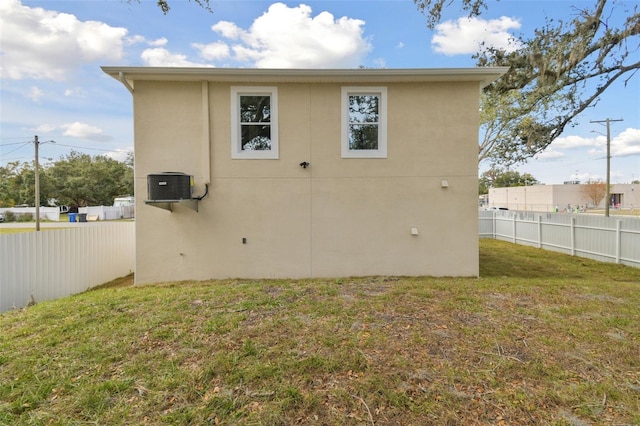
x: 126, y: 281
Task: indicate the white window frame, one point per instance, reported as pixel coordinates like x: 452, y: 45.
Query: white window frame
x: 236, y: 135
x: 381, y: 152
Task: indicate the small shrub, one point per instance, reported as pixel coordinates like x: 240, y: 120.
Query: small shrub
x: 9, y: 216
x: 24, y: 217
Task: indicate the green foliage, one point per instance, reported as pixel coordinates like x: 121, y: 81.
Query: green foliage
x: 501, y: 178
x: 559, y: 73
x: 81, y: 180
x: 24, y: 217
x: 17, y: 184
x: 165, y: 7
x: 433, y: 8
x: 77, y: 179
x: 553, y: 76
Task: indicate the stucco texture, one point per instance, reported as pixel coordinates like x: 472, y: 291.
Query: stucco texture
x: 338, y: 217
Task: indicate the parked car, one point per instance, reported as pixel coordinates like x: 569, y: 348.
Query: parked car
x: 496, y: 208
x: 1, y: 218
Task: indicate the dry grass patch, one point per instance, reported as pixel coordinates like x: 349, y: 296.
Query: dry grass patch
x: 540, y: 338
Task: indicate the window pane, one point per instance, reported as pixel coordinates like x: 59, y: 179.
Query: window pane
x: 255, y: 137
x: 363, y: 108
x: 255, y: 109
x: 363, y: 136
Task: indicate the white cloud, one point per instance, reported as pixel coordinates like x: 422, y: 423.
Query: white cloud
x: 45, y: 44
x: 213, y: 51
x: 35, y: 94
x: 162, y: 41
x: 136, y: 39
x: 119, y: 154
x: 84, y: 131
x: 550, y: 155
x: 466, y: 35
x: 247, y: 54
x: 626, y: 143
x: 44, y: 128
x: 571, y: 142
x: 227, y: 30
x: 285, y: 37
x: 76, y: 92
x: 400, y: 45
x: 586, y: 177
x: 161, y: 57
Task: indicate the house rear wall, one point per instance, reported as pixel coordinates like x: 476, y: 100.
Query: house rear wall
x: 339, y: 217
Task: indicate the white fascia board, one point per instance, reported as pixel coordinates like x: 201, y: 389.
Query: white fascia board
x: 483, y: 76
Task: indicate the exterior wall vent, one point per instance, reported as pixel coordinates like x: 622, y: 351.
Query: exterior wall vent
x: 170, y: 186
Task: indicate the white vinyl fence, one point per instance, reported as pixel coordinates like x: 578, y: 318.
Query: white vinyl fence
x: 607, y: 239
x: 109, y: 212
x: 51, y: 264
x: 46, y: 213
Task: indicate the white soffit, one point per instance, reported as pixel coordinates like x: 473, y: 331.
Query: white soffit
x: 483, y: 76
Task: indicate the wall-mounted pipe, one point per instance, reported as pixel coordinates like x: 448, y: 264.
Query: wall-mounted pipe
x: 206, y: 134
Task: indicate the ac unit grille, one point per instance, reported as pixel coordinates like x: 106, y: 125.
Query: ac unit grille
x: 169, y: 186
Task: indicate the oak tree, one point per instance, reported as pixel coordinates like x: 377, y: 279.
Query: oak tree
x: 165, y: 7
x: 82, y: 180
x: 553, y: 76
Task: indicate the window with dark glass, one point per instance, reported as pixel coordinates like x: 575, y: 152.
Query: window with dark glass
x: 254, y: 126
x: 255, y: 122
x: 364, y: 122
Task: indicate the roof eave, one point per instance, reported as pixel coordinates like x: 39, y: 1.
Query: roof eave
x: 483, y: 76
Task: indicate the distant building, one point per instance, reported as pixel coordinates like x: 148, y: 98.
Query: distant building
x: 546, y: 198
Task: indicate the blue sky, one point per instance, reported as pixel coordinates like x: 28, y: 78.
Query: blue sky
x: 52, y: 85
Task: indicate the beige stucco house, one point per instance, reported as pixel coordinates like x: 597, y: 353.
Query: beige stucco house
x: 306, y: 173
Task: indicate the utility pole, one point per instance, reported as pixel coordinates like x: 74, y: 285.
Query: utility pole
x: 36, y: 143
x: 607, y: 196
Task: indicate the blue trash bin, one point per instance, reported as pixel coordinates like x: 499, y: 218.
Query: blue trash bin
x: 72, y: 217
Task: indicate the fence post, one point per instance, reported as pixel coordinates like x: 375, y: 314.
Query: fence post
x: 539, y: 231
x: 515, y: 237
x: 618, y: 239
x: 573, y: 236
x: 493, y: 219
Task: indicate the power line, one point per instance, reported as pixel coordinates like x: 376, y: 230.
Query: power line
x: 13, y: 137
x: 59, y: 144
x: 20, y: 147
x: 93, y: 149
x: 13, y: 143
x: 23, y: 144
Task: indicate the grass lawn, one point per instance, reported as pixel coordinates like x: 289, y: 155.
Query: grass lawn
x: 540, y: 338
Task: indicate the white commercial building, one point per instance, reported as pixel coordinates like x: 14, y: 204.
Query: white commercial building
x: 566, y: 197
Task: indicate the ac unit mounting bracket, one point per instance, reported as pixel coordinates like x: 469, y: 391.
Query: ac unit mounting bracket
x: 168, y: 204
